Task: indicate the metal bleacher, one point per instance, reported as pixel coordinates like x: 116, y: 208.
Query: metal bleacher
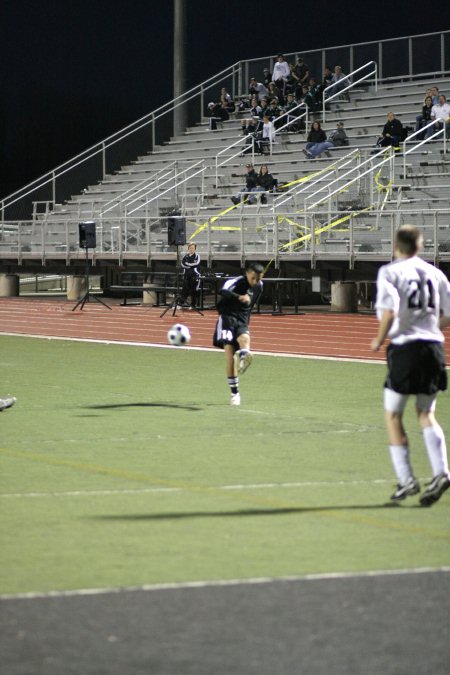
x: 361, y: 197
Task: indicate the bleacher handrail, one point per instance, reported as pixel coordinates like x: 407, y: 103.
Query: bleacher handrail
x: 409, y: 39
x: 242, y: 139
x: 304, y: 187
x: 101, y: 147
x: 119, y: 200
x: 388, y: 155
x: 172, y: 187
x: 351, y: 84
x: 439, y: 132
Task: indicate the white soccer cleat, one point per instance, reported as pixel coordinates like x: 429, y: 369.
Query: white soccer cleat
x: 7, y: 402
x: 235, y: 399
x: 244, y: 362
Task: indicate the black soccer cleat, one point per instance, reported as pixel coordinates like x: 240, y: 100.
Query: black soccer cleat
x: 411, y: 487
x: 435, y: 489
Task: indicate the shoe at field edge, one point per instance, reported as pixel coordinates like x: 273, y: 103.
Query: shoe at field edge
x: 412, y: 487
x: 235, y: 399
x: 7, y: 402
x: 435, y: 489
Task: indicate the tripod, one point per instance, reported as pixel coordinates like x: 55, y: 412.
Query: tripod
x: 175, y: 302
x: 88, y: 295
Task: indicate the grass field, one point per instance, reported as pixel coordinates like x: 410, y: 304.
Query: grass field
x: 125, y: 466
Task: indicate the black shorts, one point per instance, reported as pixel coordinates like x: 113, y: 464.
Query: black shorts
x: 228, y: 329
x: 416, y: 368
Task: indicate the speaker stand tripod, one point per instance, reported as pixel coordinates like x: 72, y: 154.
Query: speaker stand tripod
x: 175, y: 304
x: 88, y: 295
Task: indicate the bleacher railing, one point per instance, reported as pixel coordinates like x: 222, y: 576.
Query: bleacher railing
x: 432, y: 137
x: 346, y: 83
x: 355, y: 234
x: 110, y: 154
x: 426, y: 54
x: 242, y: 147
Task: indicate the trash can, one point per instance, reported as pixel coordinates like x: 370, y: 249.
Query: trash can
x: 76, y: 287
x: 9, y: 285
x: 344, y: 297
x: 148, y: 297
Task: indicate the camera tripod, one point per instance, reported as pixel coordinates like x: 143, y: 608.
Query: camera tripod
x: 175, y: 304
x: 88, y: 295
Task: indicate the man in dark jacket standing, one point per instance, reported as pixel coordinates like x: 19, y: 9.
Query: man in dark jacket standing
x: 191, y: 280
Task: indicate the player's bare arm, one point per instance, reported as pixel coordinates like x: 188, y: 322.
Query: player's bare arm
x: 385, y: 326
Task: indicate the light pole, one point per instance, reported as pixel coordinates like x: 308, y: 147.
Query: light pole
x: 179, y: 44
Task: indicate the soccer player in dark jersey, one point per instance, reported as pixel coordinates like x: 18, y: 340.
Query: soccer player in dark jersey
x: 413, y: 305
x: 238, y: 296
x: 191, y: 280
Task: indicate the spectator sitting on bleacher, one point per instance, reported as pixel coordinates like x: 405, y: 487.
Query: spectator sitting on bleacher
x: 217, y: 113
x: 338, y: 137
x: 392, y: 132
x: 227, y: 101
x: 317, y: 142
x: 425, y: 118
x: 340, y: 81
x: 292, y: 104
x: 280, y: 72
x: 309, y: 96
x: 264, y: 107
x: 250, y: 185
x: 435, y: 95
x: 251, y: 124
x: 274, y: 92
x: 441, y: 113
x: 257, y: 89
x: 326, y: 81
x: 302, y: 71
x: 274, y: 110
x: 265, y: 182
x: 267, y: 77
x: 293, y: 81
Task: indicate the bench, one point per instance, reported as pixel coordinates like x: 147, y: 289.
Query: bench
x: 160, y: 292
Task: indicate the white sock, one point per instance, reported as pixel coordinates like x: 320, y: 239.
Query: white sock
x: 400, y: 462
x: 436, y: 448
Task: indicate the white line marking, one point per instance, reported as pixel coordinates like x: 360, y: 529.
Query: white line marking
x: 249, y: 486
x: 198, y: 349
x: 224, y: 582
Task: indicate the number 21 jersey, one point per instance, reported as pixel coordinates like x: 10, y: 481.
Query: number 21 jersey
x: 417, y: 293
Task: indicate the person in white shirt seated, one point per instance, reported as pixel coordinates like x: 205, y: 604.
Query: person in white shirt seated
x: 441, y: 114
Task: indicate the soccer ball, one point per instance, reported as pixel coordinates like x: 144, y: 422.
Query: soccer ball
x: 179, y: 335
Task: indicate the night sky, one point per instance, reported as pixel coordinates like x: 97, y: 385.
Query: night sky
x: 74, y: 71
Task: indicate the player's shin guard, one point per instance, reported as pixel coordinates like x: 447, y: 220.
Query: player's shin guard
x: 436, y: 449
x: 233, y: 383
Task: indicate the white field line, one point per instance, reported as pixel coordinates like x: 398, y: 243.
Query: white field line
x: 224, y: 583
x: 213, y: 488
x: 199, y: 349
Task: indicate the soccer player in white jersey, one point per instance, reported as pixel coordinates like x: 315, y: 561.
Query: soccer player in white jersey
x: 239, y: 295
x: 413, y: 305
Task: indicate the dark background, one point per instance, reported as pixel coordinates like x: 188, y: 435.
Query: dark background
x: 74, y: 72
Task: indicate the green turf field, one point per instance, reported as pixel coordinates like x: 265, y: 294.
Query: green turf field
x: 126, y: 466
